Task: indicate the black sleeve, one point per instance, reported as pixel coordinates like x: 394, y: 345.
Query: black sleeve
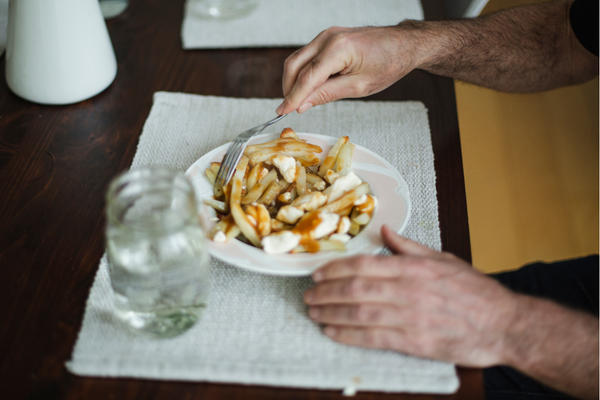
x: 584, y: 21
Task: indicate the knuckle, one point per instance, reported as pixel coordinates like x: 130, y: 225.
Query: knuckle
x: 291, y: 61
x: 341, y: 37
x: 367, y: 315
x: 354, y: 288
x: 331, y: 32
x: 306, y: 74
x: 364, y: 288
x: 363, y: 263
x: 361, y: 87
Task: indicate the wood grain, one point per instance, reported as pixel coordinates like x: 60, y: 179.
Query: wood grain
x: 55, y: 165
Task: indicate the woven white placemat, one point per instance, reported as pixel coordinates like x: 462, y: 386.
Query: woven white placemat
x: 255, y: 329
x: 280, y: 23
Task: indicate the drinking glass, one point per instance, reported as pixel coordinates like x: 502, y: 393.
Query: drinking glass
x: 158, y: 260
x: 223, y: 9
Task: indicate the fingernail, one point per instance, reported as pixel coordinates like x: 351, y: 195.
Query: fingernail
x: 279, y: 109
x: 330, y: 331
x: 317, y: 276
x: 304, y: 108
x: 314, y: 312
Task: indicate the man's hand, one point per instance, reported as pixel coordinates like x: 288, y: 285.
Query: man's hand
x: 432, y: 304
x: 345, y: 63
x: 419, y: 301
x: 525, y: 49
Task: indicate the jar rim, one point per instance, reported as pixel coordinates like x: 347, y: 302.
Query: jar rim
x: 130, y: 186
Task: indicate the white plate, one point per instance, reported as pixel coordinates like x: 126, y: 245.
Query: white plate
x: 393, y: 209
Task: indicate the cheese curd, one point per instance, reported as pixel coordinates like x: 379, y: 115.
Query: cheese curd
x: 310, y: 202
x: 342, y: 185
x: 328, y: 224
x: 281, y: 242
x: 343, y: 225
x: 361, y: 200
x: 340, y: 237
x: 289, y: 214
x: 286, y: 166
x: 220, y: 237
x: 319, y: 185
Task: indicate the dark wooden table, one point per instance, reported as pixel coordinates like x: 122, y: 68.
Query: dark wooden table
x: 56, y: 162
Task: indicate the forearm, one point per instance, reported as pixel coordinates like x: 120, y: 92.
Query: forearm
x: 554, y: 345
x: 525, y: 49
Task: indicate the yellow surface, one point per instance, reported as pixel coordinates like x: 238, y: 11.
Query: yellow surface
x: 531, y: 171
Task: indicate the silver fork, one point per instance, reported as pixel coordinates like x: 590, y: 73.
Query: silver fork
x: 235, y: 151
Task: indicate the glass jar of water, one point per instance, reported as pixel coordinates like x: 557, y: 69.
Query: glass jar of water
x: 221, y: 9
x: 158, y: 261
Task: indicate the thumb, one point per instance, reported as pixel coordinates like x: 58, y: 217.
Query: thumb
x: 401, y: 245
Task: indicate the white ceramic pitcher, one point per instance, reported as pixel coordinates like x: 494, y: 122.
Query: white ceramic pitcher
x: 58, y: 51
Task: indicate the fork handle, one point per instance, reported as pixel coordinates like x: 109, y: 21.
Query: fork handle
x: 276, y: 119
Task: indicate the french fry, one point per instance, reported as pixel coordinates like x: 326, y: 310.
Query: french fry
x: 300, y: 179
x: 219, y: 227
x: 231, y: 229
x: 252, y: 214
x: 329, y: 161
x: 274, y: 189
x: 320, y: 245
x: 316, y: 181
x: 312, y: 178
x: 294, y: 193
x: 267, y: 154
x: 354, y: 229
x: 236, y: 182
x: 233, y: 232
x: 347, y: 199
x: 308, y: 160
x: 253, y: 176
x: 259, y: 188
x: 361, y: 218
x: 227, y: 226
x: 218, y: 192
x: 345, y: 212
x: 344, y: 159
x: 210, y: 175
x: 282, y: 146
x: 242, y: 221
x: 278, y: 226
x: 219, y: 206
x: 262, y: 146
x: 263, y: 219
x: 214, y: 167
x: 331, y: 176
x: 289, y: 133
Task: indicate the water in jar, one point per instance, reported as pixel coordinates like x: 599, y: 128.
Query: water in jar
x: 158, y: 259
